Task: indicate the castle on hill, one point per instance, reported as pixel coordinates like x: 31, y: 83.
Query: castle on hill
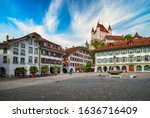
x: 101, y: 33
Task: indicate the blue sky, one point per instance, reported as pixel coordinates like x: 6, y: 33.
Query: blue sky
x: 69, y: 22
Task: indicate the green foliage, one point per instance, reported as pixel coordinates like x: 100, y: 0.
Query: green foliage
x: 20, y: 70
x: 44, y: 68
x: 96, y: 44
x: 33, y: 69
x: 128, y: 37
x: 88, y: 64
x: 55, y: 69
x: 83, y: 69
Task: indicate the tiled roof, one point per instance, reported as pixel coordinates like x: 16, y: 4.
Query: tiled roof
x: 136, y: 35
x: 5, y: 43
x: 125, y: 44
x: 71, y: 50
x: 102, y: 28
x: 113, y: 37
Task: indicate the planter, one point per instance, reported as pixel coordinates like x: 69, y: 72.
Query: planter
x: 33, y: 76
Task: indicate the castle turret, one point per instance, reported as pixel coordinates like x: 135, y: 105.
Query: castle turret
x: 110, y: 30
x: 92, y: 30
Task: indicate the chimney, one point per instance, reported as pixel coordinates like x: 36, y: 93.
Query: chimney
x: 7, y: 37
x: 73, y: 46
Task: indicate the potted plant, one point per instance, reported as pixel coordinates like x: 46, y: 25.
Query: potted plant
x: 44, y: 69
x: 55, y: 70
x: 33, y: 70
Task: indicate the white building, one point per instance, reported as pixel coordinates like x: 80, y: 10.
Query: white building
x: 133, y: 55
x: 75, y: 57
x: 23, y: 52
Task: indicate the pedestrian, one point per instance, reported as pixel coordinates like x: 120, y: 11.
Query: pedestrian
x: 70, y: 72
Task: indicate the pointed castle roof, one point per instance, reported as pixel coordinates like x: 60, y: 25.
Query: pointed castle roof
x: 101, y: 27
x: 109, y: 28
x: 136, y: 35
x: 86, y: 43
x: 92, y: 30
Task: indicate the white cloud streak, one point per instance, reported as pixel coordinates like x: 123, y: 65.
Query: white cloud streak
x: 82, y: 20
x: 51, y: 18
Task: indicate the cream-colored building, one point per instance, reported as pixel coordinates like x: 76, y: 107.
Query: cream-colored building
x: 133, y: 55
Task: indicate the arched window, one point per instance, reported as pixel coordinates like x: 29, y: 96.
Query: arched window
x: 146, y: 68
x: 139, y: 68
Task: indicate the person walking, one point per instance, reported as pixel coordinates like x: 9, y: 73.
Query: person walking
x: 70, y: 72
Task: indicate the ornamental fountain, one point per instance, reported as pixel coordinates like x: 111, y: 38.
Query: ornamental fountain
x: 114, y: 72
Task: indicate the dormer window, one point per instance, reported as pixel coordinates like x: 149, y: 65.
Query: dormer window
x: 130, y: 42
x: 110, y: 45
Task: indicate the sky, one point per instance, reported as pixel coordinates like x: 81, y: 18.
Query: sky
x: 69, y: 22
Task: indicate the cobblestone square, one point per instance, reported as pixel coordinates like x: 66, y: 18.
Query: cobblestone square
x: 79, y: 86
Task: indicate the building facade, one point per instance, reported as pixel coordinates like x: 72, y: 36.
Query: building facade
x: 25, y: 52
x: 130, y: 56
x: 75, y: 57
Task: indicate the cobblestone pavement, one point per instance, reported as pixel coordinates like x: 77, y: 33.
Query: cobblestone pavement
x: 79, y: 86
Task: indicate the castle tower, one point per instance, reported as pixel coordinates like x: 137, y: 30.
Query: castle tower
x: 110, y: 30
x: 92, y: 33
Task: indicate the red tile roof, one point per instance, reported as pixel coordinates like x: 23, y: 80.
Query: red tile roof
x: 113, y: 37
x: 102, y: 28
x: 125, y: 44
x: 71, y: 50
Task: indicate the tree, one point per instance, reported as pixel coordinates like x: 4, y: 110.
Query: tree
x: 88, y: 64
x: 44, y: 69
x: 96, y: 44
x: 128, y: 37
x: 33, y: 69
x: 20, y: 71
x: 55, y: 69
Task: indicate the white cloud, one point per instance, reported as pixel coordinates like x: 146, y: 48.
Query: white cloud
x: 83, y: 19
x: 50, y: 20
x: 107, y: 12
x: 28, y: 26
